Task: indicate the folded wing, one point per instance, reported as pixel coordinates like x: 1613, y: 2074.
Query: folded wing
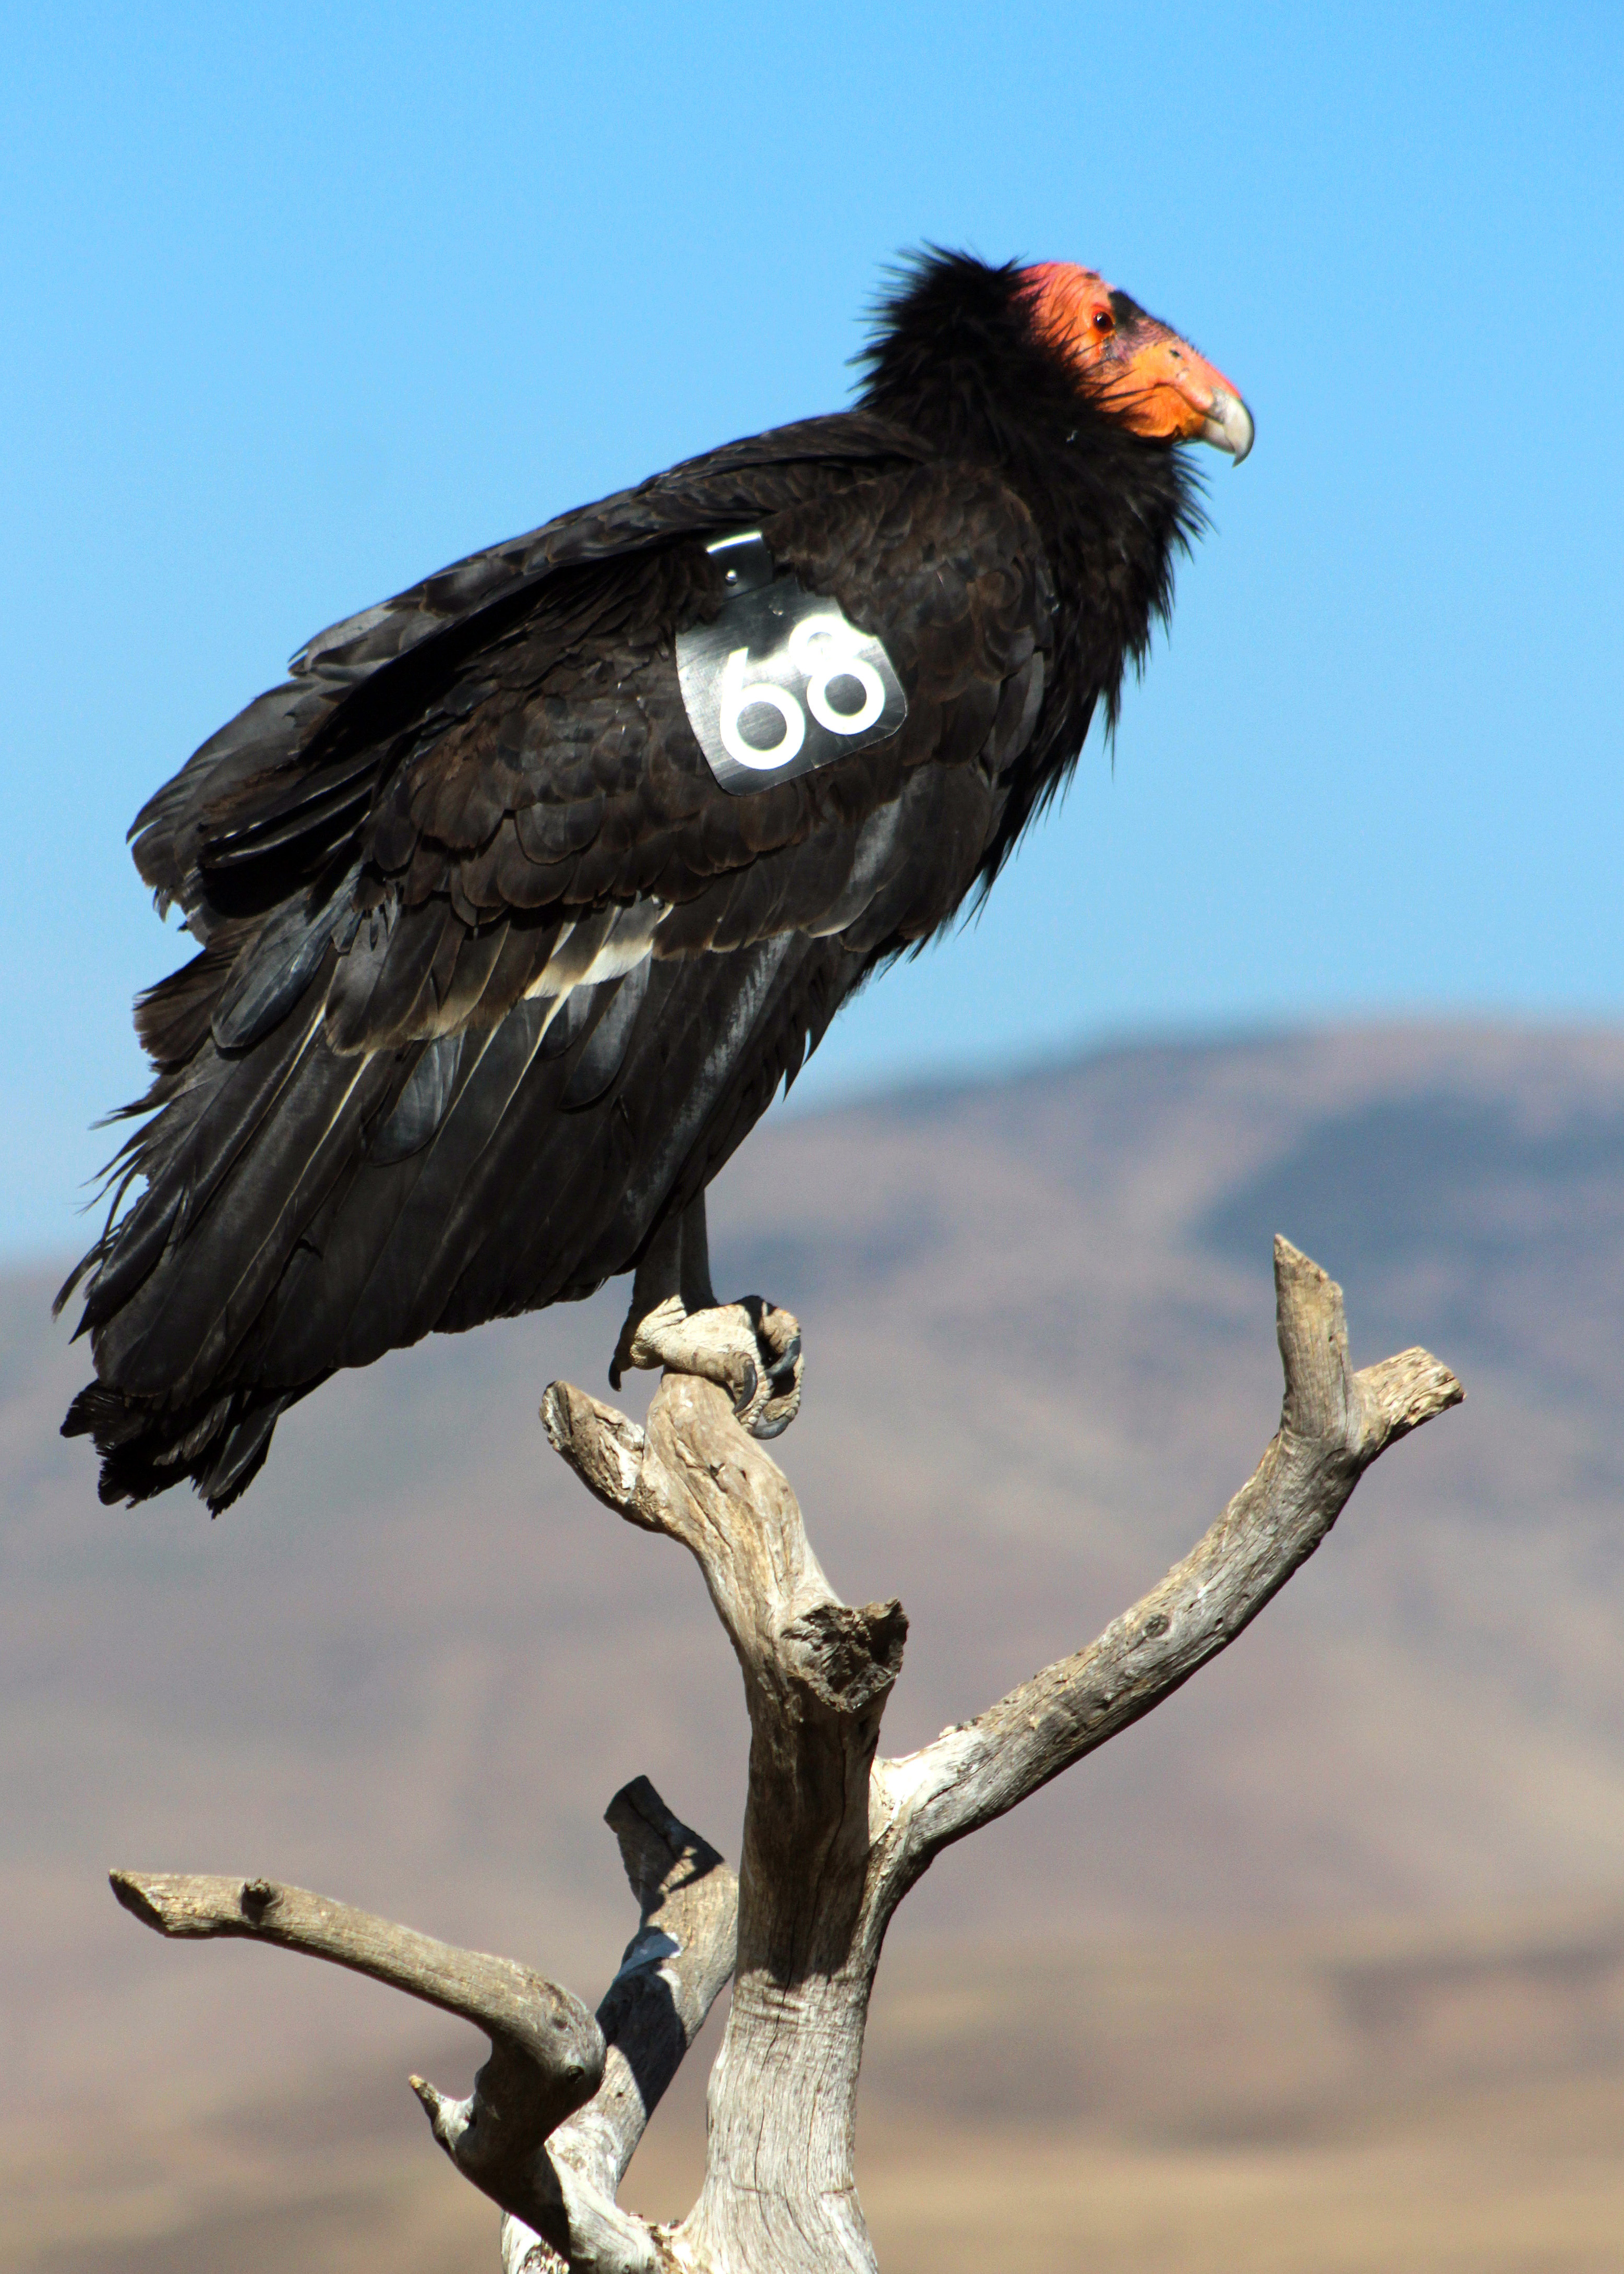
x: 494, y: 975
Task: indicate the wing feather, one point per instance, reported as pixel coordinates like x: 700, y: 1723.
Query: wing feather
x: 498, y: 976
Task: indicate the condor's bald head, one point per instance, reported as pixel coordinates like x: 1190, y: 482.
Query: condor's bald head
x: 1136, y: 367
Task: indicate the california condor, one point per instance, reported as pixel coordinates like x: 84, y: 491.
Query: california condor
x: 519, y: 898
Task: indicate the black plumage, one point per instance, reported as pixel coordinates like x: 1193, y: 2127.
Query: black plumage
x: 494, y: 975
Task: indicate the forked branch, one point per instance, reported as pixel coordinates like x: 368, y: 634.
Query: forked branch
x: 833, y: 1836
x: 550, y: 2058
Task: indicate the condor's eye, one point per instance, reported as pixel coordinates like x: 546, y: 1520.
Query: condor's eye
x: 1103, y: 320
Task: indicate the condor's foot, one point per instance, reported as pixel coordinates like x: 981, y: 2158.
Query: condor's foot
x: 750, y: 1348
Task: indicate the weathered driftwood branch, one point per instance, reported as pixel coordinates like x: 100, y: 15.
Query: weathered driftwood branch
x: 779, y: 2186
x: 673, y: 1970
x: 833, y: 1837
x: 544, y: 2036
x: 547, y: 2050
x: 1333, y: 1424
x: 551, y: 2060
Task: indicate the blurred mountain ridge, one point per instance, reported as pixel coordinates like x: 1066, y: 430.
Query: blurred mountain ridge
x: 411, y: 1666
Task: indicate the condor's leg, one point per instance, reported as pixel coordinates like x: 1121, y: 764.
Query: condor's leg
x: 752, y: 1348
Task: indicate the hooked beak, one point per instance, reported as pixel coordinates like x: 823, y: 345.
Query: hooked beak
x: 1222, y: 418
x: 1165, y: 387
x: 1227, y: 425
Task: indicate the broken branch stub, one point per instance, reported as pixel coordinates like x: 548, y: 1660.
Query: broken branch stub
x: 672, y: 1973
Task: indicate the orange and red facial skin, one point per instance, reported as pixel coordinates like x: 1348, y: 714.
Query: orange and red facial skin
x: 1138, y: 368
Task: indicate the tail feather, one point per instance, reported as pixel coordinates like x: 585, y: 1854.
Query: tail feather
x: 309, y: 1209
x: 220, y: 1444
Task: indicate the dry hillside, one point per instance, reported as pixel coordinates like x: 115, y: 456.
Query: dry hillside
x: 1347, y: 1917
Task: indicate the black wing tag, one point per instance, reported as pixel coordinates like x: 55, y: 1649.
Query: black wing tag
x: 780, y: 682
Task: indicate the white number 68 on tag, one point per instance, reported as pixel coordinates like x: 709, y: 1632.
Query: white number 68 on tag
x: 824, y: 649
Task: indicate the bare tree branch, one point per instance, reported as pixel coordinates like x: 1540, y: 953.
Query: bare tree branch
x: 674, y: 1968
x: 551, y: 2060
x: 1334, y: 1423
x: 699, y: 1479
x: 833, y: 1837
x: 546, y: 2051
x: 550, y: 2029
x: 780, y: 2188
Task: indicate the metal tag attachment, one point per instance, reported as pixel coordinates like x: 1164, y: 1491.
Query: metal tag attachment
x: 781, y: 683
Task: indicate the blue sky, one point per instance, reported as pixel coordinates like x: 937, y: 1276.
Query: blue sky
x: 299, y: 303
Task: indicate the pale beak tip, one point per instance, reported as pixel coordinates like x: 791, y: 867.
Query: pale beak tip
x: 1228, y: 426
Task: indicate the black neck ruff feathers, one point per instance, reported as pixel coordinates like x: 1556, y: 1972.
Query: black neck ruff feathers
x: 955, y: 357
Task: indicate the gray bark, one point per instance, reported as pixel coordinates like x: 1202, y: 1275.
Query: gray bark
x: 834, y: 1836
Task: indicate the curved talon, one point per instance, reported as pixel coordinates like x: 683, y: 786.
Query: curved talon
x: 778, y: 1336
x: 751, y: 1349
